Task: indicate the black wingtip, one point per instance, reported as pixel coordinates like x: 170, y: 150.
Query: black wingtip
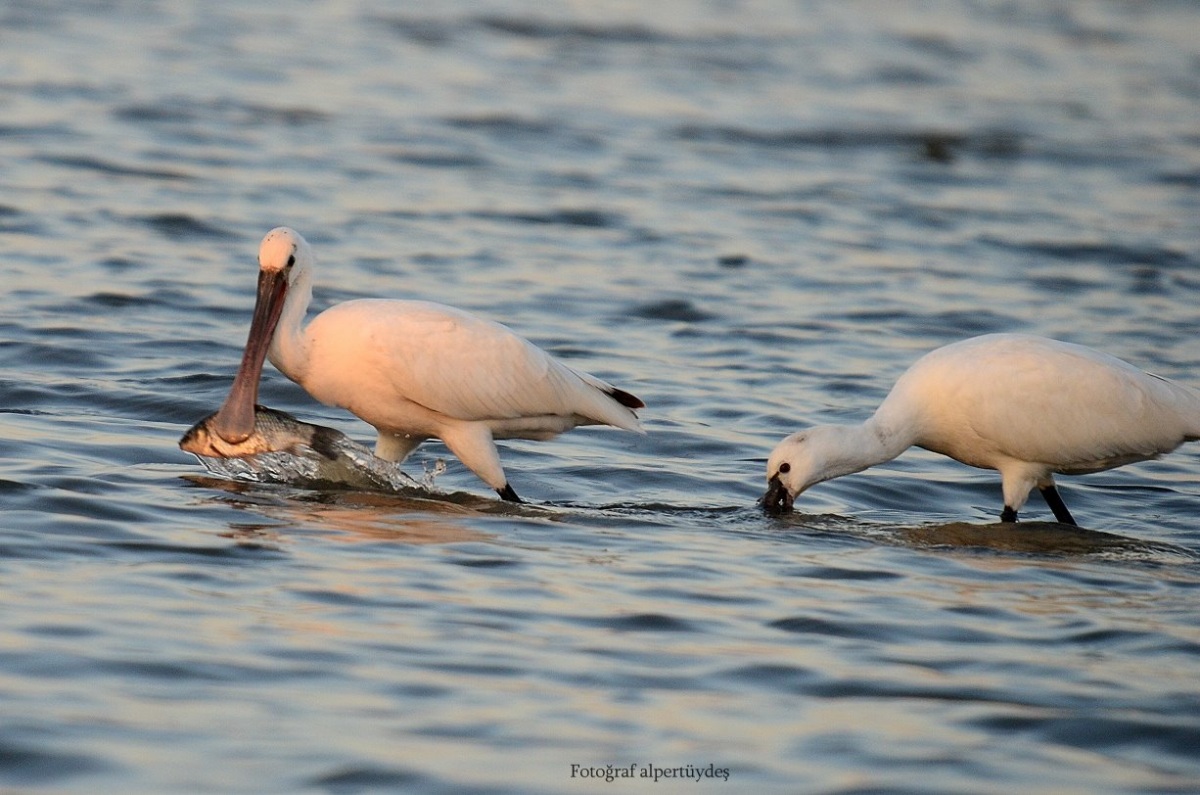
x: 626, y: 399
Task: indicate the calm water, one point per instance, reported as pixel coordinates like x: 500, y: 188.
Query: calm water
x: 754, y: 215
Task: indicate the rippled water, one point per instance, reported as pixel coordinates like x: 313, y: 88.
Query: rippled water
x: 754, y: 215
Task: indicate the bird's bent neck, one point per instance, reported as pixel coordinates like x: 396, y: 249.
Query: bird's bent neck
x: 875, y: 441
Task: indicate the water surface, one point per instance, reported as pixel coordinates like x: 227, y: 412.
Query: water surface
x: 753, y: 215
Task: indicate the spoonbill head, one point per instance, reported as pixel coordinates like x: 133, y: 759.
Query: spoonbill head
x: 1026, y: 406
x: 414, y: 370
x: 284, y: 259
x: 802, y: 460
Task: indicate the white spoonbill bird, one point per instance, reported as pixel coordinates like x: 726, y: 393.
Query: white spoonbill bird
x: 1026, y: 406
x: 415, y: 370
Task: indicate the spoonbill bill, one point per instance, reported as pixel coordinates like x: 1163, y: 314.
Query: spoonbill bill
x: 1025, y: 406
x: 414, y: 370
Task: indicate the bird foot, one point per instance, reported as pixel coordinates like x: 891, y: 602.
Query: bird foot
x: 508, y: 495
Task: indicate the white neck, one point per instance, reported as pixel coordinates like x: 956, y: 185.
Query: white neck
x: 289, y: 348
x: 847, y: 449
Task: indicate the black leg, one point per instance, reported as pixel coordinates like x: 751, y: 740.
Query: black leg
x: 508, y: 494
x: 1008, y: 515
x: 1050, y: 493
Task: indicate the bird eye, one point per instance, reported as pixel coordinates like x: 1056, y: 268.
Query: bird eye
x: 785, y: 468
x: 291, y: 260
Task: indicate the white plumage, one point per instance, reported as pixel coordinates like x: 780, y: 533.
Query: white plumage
x: 1026, y: 406
x: 414, y: 370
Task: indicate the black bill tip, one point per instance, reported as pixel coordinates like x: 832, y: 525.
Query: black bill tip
x: 777, y: 500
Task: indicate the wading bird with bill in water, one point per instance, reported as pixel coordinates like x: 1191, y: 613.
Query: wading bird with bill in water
x: 1026, y: 406
x: 415, y: 370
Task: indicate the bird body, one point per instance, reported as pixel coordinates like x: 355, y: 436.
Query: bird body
x: 417, y: 370
x: 1026, y: 406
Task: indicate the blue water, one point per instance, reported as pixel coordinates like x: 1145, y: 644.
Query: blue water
x: 753, y: 215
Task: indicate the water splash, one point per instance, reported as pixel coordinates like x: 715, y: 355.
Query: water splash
x: 352, y: 466
x: 430, y: 474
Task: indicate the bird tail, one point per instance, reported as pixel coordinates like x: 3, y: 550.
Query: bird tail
x: 615, y: 407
